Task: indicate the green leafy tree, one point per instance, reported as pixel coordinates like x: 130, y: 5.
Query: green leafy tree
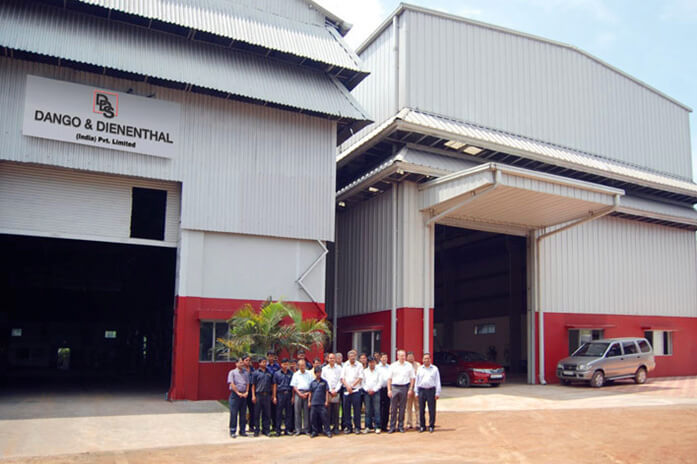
x: 276, y: 326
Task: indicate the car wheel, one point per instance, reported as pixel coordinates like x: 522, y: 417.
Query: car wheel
x: 598, y: 379
x: 640, y: 376
x: 463, y: 380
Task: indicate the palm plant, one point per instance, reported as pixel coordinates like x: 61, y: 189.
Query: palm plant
x: 276, y: 326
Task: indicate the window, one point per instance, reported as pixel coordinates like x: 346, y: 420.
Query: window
x: 578, y: 337
x: 644, y: 346
x: 629, y: 347
x: 148, y: 211
x: 484, y: 329
x: 208, y: 347
x: 614, y: 351
x: 109, y: 334
x: 661, y: 340
x: 16, y: 332
x: 367, y: 341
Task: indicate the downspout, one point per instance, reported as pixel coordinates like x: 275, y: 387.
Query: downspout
x: 393, y: 310
x: 538, y: 295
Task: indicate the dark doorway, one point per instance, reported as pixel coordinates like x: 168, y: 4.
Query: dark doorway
x: 480, y: 295
x: 85, y: 313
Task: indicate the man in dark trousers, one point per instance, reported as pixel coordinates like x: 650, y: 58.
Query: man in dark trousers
x: 262, y: 385
x: 319, y: 400
x: 250, y: 406
x: 272, y: 366
x: 283, y: 398
x: 238, y: 383
x: 427, y: 389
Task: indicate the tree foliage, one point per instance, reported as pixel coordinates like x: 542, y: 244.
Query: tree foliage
x: 276, y: 326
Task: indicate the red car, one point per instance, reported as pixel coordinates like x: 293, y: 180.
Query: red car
x: 465, y: 368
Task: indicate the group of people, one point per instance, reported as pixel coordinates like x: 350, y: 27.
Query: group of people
x: 298, y: 397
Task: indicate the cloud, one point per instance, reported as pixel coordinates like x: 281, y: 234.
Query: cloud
x: 365, y: 15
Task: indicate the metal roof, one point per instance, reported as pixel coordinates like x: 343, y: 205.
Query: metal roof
x: 408, y: 7
x: 97, y: 45
x: 239, y: 22
x: 492, y: 139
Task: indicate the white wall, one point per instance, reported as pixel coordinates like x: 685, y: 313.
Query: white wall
x: 64, y: 203
x: 243, y: 168
x: 219, y: 265
x: 615, y: 266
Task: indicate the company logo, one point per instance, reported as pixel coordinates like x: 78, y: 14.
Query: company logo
x: 106, y: 103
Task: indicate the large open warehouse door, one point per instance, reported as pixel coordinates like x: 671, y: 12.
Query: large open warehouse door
x: 480, y: 296
x: 526, y: 205
x: 85, y: 313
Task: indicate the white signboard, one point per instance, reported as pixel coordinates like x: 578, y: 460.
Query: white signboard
x: 101, y: 118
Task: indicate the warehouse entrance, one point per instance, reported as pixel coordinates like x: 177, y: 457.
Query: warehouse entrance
x: 82, y: 313
x: 480, y: 295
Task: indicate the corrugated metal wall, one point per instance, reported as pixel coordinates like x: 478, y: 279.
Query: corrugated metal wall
x: 50, y: 202
x: 376, y: 92
x: 217, y: 265
x: 364, y: 254
x: 540, y: 90
x: 615, y: 266
x: 410, y: 239
x: 244, y: 168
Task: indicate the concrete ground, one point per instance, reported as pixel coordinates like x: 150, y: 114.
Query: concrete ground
x: 655, y: 422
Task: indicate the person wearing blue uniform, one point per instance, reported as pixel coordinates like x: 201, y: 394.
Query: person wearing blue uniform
x: 262, y: 383
x: 250, y: 406
x: 283, y: 398
x: 319, y: 400
x: 272, y: 366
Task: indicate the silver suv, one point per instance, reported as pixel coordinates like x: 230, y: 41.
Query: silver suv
x: 609, y: 359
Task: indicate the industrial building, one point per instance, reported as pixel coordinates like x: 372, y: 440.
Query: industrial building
x: 162, y: 164
x: 514, y: 196
x: 450, y: 185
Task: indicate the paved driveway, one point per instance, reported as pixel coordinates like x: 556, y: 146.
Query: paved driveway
x: 49, y: 424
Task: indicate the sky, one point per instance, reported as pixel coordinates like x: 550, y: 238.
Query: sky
x: 653, y: 40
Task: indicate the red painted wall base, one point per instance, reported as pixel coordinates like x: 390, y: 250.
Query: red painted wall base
x: 409, y: 329
x: 194, y: 380
x: 681, y: 363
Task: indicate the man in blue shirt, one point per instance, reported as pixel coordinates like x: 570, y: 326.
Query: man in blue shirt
x: 272, y: 366
x: 319, y: 400
x: 282, y: 398
x: 262, y: 383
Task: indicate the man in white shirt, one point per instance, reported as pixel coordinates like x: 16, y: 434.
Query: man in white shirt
x: 384, y: 367
x: 300, y: 382
x: 332, y: 374
x: 400, y: 385
x: 352, y: 379
x: 412, y: 402
x: 372, y: 380
x: 427, y: 390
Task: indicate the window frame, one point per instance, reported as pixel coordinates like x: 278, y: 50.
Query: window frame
x: 580, y: 342
x: 478, y: 328
x: 356, y: 342
x: 214, y: 342
x: 666, y: 337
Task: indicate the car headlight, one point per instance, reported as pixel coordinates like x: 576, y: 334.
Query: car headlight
x: 559, y: 366
x: 582, y: 367
x: 481, y: 371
